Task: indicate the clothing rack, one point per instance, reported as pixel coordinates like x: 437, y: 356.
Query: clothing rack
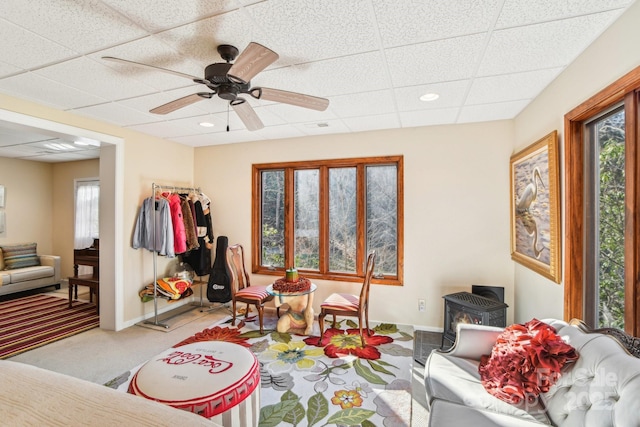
x: 154, y: 188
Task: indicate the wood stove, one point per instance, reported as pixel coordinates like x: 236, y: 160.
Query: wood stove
x: 465, y: 307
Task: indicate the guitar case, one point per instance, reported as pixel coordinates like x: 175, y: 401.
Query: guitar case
x: 219, y: 286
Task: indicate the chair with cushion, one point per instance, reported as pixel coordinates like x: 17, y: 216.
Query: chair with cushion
x: 350, y: 305
x: 241, y: 289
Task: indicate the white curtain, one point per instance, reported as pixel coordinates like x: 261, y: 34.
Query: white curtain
x: 87, y: 224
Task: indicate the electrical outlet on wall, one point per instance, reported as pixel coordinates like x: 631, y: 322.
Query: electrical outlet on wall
x: 421, y: 305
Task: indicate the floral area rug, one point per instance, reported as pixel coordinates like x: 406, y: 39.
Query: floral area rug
x: 336, y: 381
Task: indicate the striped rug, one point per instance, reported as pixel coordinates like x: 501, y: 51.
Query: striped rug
x: 36, y: 320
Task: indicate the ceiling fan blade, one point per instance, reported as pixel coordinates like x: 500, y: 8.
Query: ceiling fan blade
x: 176, y: 104
x: 153, y: 67
x: 247, y: 114
x: 293, y: 98
x: 251, y: 61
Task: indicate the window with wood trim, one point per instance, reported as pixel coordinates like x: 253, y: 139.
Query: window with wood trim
x: 323, y: 217
x: 602, y: 207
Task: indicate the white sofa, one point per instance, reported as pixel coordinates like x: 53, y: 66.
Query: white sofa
x: 601, y: 389
x: 26, y: 278
x: 32, y: 396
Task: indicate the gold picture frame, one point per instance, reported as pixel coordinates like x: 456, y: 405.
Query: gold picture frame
x: 535, y: 207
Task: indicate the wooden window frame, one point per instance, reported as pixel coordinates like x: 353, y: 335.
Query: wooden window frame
x: 627, y: 90
x: 324, y: 165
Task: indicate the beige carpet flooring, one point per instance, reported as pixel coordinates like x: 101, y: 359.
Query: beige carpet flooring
x: 98, y: 355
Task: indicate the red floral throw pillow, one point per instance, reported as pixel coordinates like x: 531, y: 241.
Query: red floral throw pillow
x: 526, y: 360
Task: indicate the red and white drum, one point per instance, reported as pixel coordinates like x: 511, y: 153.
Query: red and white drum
x: 216, y: 379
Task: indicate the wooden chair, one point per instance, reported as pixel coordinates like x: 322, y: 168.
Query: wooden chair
x: 90, y: 257
x: 350, y: 305
x: 241, y: 289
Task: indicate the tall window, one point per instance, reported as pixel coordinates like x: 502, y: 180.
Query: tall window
x: 602, y: 200
x: 87, y: 223
x: 322, y: 217
x: 605, y: 219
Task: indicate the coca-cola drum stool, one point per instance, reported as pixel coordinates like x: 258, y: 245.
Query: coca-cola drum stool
x: 216, y: 379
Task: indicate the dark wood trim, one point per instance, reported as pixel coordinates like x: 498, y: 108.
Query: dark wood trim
x: 632, y: 213
x: 621, y: 89
x: 323, y: 166
x: 574, y: 221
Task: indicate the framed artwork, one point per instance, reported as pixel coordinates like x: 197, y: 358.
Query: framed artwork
x: 535, y: 207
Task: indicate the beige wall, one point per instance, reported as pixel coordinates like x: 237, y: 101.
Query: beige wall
x: 456, y: 207
x: 614, y: 54
x: 28, y: 200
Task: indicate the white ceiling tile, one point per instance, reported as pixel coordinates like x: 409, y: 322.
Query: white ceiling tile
x: 162, y: 129
x: 114, y: 113
x: 94, y: 78
x: 525, y: 12
x: 552, y: 44
x: 154, y: 15
x: 8, y: 69
x: 438, y: 61
x: 40, y: 89
x: 151, y: 51
x: 368, y: 123
x: 352, y: 74
x: 280, y: 132
x: 445, y: 116
x: 451, y: 94
x: 293, y: 114
x: 219, y: 138
x: 309, y: 30
x: 199, y: 41
x: 327, y: 127
x: 511, y: 87
x: 409, y: 22
x: 83, y: 26
x: 24, y: 49
x: 363, y: 104
x: 489, y: 112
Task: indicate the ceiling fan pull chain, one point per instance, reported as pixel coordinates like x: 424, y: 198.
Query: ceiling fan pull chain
x: 228, y: 117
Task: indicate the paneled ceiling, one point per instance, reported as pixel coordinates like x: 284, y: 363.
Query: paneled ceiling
x: 373, y: 60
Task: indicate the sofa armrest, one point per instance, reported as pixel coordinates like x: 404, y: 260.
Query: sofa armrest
x: 473, y: 341
x: 52, y: 261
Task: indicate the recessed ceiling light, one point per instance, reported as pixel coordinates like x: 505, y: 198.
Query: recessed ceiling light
x: 59, y: 146
x: 429, y: 97
x: 207, y: 124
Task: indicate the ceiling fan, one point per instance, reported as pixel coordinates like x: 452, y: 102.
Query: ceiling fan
x: 229, y: 80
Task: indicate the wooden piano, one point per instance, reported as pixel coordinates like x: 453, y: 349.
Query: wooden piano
x: 91, y: 257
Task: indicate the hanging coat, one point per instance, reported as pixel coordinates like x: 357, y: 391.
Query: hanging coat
x: 143, y: 234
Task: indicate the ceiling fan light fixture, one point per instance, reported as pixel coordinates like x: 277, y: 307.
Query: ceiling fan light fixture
x: 429, y: 96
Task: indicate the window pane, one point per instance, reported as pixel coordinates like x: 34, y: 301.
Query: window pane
x: 87, y: 214
x: 273, y: 218
x: 342, y: 220
x: 610, y: 136
x: 307, y: 231
x: 382, y: 217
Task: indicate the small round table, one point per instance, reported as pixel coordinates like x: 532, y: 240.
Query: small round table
x: 300, y: 313
x: 216, y: 379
